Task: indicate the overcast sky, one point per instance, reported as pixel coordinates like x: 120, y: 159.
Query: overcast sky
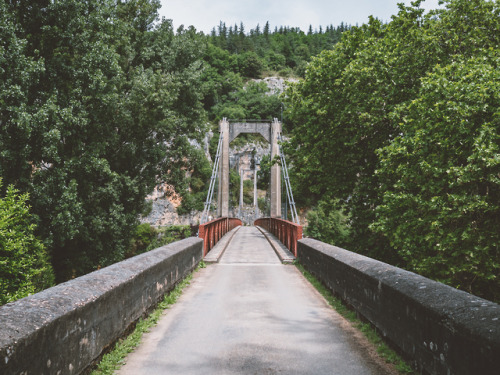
x: 205, y: 14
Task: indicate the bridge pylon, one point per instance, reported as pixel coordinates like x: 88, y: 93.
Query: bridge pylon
x: 270, y: 131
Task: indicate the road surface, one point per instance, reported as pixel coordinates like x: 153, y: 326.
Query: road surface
x: 249, y: 314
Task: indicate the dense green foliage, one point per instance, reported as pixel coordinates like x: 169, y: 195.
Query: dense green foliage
x: 285, y: 50
x: 248, y: 186
x: 147, y: 237
x: 234, y: 188
x: 264, y: 173
x: 193, y: 189
x: 327, y: 222
x: 442, y: 178
x: 24, y: 265
x: 98, y: 106
x: 252, y: 102
x: 400, y: 123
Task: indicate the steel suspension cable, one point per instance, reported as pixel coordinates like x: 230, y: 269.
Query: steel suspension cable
x: 293, y: 210
x: 213, y: 178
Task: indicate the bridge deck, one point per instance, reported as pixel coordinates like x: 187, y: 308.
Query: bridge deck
x: 250, y: 314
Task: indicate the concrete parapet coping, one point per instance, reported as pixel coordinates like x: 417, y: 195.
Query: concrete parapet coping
x: 66, y: 328
x: 214, y: 255
x: 281, y: 250
x: 441, y: 330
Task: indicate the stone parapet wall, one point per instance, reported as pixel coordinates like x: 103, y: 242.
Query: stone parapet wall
x: 65, y: 329
x: 439, y: 329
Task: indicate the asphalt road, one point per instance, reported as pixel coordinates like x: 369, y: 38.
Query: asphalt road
x: 249, y: 314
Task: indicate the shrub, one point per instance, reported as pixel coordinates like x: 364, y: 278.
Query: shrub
x: 144, y: 235
x: 327, y: 222
x: 24, y: 264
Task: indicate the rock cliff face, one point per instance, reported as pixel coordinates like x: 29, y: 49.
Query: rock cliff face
x: 164, y: 207
x: 165, y: 201
x: 276, y: 85
x: 164, y: 211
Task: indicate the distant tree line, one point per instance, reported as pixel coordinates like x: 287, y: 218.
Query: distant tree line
x: 284, y: 49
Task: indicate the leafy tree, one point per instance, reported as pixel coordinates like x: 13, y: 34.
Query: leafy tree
x: 329, y: 135
x: 441, y: 187
x: 275, y: 61
x: 232, y: 111
x: 147, y: 237
x: 112, y: 114
x: 234, y: 187
x: 250, y: 64
x: 24, y: 265
x: 284, y: 48
x: 221, y: 76
x: 17, y: 71
x: 144, y: 235
x: 248, y: 191
x: 264, y: 173
x: 352, y: 104
x: 251, y: 102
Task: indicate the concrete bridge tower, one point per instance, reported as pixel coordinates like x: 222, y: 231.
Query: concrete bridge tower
x: 275, y: 171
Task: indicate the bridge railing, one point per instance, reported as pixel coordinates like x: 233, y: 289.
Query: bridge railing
x: 286, y: 231
x: 213, y: 231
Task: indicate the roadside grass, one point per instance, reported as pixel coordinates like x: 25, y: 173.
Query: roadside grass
x: 113, y: 360
x: 389, y: 355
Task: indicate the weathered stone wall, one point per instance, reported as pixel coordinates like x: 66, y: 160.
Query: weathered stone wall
x: 441, y: 330
x: 64, y: 329
x: 164, y: 213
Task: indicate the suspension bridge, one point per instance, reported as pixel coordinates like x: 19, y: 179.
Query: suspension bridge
x: 271, y: 132
x: 250, y: 311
